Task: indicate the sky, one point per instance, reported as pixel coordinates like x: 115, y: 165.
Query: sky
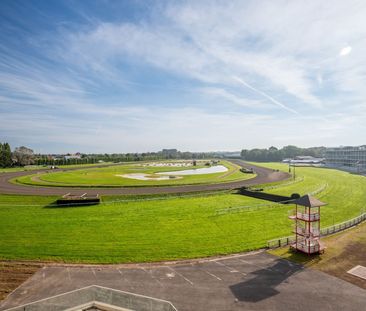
x: 135, y: 76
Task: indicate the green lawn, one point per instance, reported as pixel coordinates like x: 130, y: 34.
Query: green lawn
x: 102, y: 177
x: 18, y: 169
x: 345, y: 193
x: 152, y: 229
x: 39, y: 167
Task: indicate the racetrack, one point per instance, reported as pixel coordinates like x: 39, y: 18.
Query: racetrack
x: 264, y: 175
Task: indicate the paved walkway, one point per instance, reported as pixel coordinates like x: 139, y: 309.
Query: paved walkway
x: 252, y: 281
x: 264, y: 175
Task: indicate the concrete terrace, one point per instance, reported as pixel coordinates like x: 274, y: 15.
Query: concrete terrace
x: 252, y: 281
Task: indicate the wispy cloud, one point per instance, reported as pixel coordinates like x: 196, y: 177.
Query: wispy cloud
x: 270, y: 98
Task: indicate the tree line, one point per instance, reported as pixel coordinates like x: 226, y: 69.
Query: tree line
x: 22, y: 156
x: 19, y: 157
x: 274, y: 154
x: 120, y: 157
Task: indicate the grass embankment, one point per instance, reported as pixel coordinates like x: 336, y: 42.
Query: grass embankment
x: 344, y: 251
x: 110, y: 176
x: 166, y: 228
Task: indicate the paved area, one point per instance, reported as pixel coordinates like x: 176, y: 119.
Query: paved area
x: 252, y: 281
x: 264, y: 175
x: 359, y: 271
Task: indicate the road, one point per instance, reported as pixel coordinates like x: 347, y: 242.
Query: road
x: 264, y: 175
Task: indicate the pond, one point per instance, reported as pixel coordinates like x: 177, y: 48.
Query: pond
x: 141, y: 176
x: 198, y: 171
x: 176, y: 174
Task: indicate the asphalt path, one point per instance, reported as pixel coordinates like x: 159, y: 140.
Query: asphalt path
x: 263, y: 175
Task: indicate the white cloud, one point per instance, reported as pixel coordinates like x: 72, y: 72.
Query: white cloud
x: 345, y: 51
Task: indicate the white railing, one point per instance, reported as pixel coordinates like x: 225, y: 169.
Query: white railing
x: 313, y: 232
x: 308, y: 217
x: 308, y: 249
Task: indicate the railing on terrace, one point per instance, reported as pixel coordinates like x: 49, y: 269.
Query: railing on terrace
x: 306, y: 216
x: 323, y: 232
x: 299, y: 230
x: 311, y: 249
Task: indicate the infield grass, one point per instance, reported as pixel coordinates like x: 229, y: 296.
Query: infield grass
x: 140, y: 229
x: 111, y: 176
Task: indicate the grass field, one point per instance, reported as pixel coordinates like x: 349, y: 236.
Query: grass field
x: 40, y: 167
x: 107, y: 177
x: 166, y: 228
x: 344, y: 192
x: 18, y: 169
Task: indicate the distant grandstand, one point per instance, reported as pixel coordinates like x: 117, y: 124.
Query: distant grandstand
x: 347, y: 158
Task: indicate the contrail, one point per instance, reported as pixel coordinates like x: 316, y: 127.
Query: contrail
x: 276, y: 102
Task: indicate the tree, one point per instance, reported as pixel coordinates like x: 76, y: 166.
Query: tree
x: 5, y: 155
x: 292, y: 151
x: 23, y: 156
x: 275, y: 154
x: 1, y: 155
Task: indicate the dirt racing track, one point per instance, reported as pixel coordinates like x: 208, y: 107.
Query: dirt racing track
x: 263, y: 175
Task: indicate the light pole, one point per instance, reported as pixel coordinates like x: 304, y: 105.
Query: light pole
x: 358, y: 167
x: 293, y: 170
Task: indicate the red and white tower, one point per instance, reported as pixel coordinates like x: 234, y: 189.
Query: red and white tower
x: 307, y: 225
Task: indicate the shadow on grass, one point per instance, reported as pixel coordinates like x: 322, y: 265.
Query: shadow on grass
x: 55, y: 205
x: 259, y: 194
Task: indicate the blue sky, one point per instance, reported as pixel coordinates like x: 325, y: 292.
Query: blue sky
x: 134, y: 76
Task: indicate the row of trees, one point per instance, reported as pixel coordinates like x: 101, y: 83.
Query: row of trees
x: 20, y: 156
x: 160, y: 155
x: 42, y: 159
x: 274, y: 154
x: 25, y: 156
x: 120, y: 157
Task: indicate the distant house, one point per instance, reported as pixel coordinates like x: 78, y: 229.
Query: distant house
x: 72, y: 156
